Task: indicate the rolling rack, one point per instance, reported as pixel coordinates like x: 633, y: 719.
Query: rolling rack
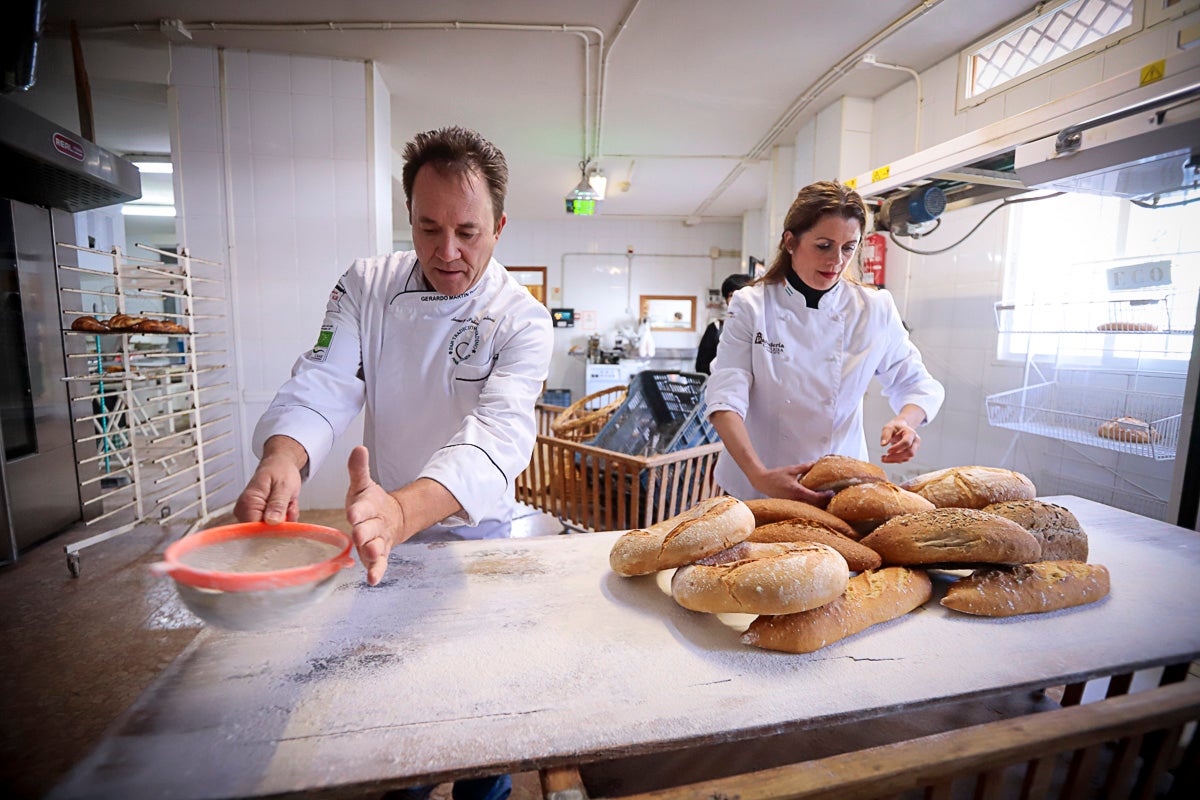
x: 1116, y: 348
x: 146, y: 406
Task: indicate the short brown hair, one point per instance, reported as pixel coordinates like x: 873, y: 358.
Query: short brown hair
x: 457, y: 151
x: 812, y: 203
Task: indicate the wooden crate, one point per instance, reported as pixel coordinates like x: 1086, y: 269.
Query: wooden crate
x: 593, y: 489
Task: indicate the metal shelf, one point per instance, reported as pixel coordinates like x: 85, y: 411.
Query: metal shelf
x: 1075, y: 412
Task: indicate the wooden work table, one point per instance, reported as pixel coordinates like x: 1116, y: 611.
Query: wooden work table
x: 476, y: 658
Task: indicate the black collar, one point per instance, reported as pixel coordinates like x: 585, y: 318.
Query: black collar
x: 811, y: 296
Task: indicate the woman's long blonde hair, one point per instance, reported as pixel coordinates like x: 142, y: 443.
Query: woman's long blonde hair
x: 812, y: 203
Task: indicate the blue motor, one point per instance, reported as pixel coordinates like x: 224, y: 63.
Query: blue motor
x: 926, y: 204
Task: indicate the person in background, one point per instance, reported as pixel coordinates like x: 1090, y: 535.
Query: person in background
x: 448, y: 353
x: 798, y: 349
x: 707, y: 350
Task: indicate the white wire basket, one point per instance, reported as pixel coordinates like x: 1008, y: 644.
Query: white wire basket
x: 1074, y: 413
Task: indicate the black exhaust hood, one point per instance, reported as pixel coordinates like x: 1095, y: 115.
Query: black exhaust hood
x: 46, y: 165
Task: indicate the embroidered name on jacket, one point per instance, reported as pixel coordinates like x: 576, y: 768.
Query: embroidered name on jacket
x: 774, y: 348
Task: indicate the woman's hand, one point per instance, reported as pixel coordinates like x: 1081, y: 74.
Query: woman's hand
x: 784, y: 482
x: 901, y: 440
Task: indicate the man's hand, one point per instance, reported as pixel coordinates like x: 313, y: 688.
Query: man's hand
x: 784, y: 482
x: 273, y: 493
x: 377, y: 516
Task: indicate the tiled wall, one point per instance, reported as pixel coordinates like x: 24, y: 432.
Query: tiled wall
x: 285, y: 182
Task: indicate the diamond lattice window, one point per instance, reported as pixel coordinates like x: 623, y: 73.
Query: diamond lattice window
x: 1053, y: 35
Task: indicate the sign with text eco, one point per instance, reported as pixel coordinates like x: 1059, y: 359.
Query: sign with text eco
x: 1139, y: 276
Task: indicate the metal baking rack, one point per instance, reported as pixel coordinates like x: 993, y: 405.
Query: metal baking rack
x: 149, y: 409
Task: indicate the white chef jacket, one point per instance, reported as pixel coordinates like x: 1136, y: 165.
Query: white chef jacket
x: 797, y: 375
x: 449, y: 384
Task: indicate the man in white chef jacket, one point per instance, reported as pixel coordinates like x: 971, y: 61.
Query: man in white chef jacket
x: 447, y: 351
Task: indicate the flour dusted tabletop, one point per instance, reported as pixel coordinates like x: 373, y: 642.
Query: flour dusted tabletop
x: 475, y: 658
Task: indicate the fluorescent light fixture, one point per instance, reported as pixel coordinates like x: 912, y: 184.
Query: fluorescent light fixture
x: 154, y: 167
x: 147, y: 210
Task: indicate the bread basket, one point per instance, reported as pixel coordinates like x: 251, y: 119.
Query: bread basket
x: 255, y: 576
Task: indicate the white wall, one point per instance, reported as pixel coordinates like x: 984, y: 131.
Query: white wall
x: 588, y: 269
x: 283, y: 195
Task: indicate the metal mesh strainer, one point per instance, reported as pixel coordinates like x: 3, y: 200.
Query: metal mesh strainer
x: 253, y: 575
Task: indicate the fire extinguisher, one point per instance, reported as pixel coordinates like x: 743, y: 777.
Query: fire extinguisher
x: 874, y: 258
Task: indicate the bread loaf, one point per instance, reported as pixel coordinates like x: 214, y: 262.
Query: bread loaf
x: 777, y: 510
x: 709, y: 527
x: 867, y: 506
x: 1129, y: 429
x: 832, y: 473
x: 1028, y: 588
x: 971, y: 487
x: 870, y: 598
x: 756, y: 578
x: 858, y: 558
x: 1055, y: 527
x: 90, y: 324
x: 953, y: 536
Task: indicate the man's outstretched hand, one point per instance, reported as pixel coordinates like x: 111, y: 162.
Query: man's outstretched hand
x: 376, y: 516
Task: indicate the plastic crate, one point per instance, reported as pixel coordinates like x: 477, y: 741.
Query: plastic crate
x: 664, y: 412
x: 557, y: 397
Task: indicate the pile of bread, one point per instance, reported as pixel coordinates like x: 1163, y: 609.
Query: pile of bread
x: 123, y: 323
x: 791, y: 563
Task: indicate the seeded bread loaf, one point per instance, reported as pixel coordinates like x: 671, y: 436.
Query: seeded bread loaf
x: 947, y: 536
x: 1055, y: 527
x: 867, y: 506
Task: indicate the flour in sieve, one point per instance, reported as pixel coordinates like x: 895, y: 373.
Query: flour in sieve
x: 260, y: 554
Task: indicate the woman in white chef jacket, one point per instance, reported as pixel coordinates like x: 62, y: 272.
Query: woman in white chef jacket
x: 799, y: 348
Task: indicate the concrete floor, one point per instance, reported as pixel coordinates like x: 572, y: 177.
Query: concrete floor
x: 78, y: 651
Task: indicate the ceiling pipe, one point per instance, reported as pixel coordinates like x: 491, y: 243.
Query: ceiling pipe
x: 806, y: 98
x: 592, y: 103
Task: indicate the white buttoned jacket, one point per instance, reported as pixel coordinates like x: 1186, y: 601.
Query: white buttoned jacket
x: 449, y: 384
x: 797, y: 375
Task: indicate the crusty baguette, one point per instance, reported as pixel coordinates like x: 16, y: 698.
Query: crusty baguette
x: 867, y: 506
x: 870, y: 598
x: 706, y: 528
x: 832, y: 473
x: 758, y: 578
x: 1127, y: 326
x: 90, y: 324
x: 774, y: 509
x: 953, y: 536
x: 1061, y: 536
x: 971, y: 487
x: 1028, y: 588
x: 859, y: 558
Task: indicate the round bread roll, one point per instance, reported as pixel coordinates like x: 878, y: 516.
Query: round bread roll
x: 867, y: 506
x: 1028, y: 588
x: 953, y: 536
x: 1055, y: 527
x: 858, y: 558
x: 870, y: 598
x: 971, y: 487
x: 775, y: 509
x: 90, y: 324
x: 832, y: 473
x: 709, y: 527
x: 756, y: 578
x: 1129, y: 429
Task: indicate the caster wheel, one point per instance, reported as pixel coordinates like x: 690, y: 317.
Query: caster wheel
x: 73, y: 564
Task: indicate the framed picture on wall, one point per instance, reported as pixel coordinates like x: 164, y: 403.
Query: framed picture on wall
x: 667, y: 312
x: 533, y: 279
